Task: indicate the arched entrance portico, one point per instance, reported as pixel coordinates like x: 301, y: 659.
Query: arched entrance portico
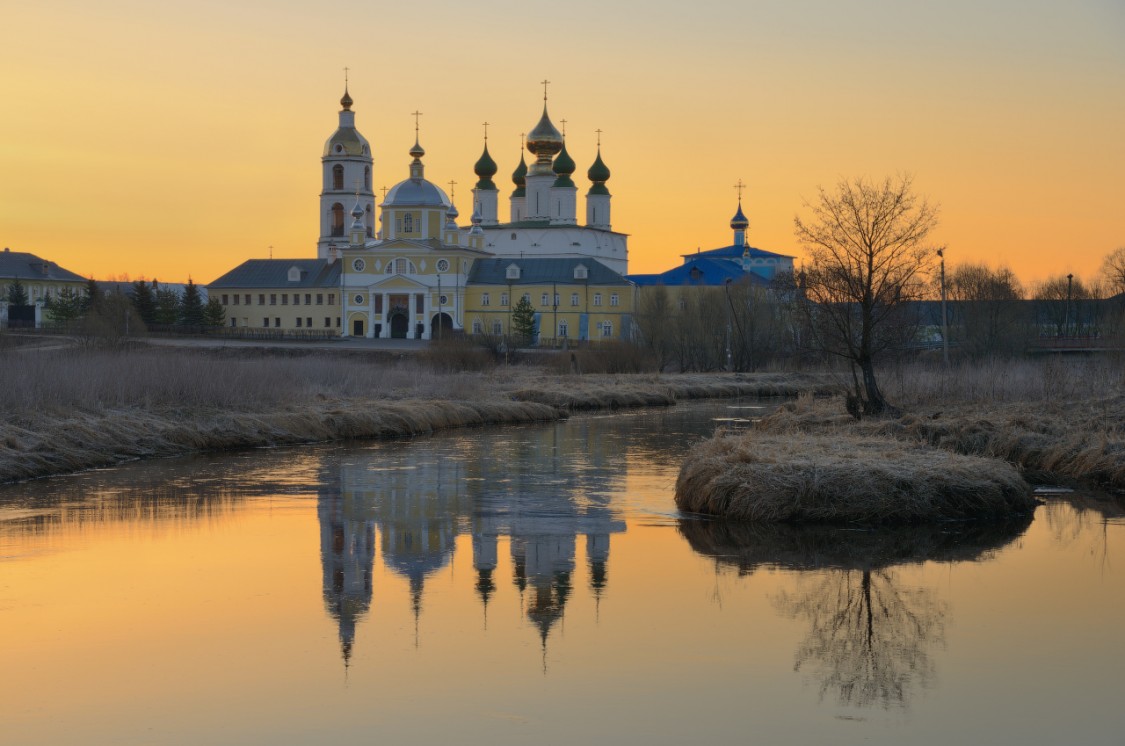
x: 400, y: 325
x: 441, y: 326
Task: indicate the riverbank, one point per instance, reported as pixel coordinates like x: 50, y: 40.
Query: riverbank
x: 952, y: 453
x: 70, y: 410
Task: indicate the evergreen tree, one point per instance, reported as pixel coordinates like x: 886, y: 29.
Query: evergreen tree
x: 64, y: 307
x: 213, y: 313
x: 93, y: 297
x: 191, y: 306
x: 523, y: 322
x: 17, y: 294
x: 144, y: 301
x: 167, y: 307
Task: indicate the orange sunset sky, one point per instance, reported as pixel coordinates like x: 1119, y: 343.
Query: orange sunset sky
x: 181, y: 138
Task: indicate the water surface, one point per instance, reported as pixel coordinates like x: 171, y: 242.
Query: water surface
x: 535, y: 582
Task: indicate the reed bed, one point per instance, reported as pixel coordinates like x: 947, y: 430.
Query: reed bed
x: 844, y: 478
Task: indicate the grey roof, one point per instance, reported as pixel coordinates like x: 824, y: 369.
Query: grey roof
x: 542, y: 271
x: 416, y: 192
x: 24, y: 266
x: 274, y: 273
x: 126, y: 288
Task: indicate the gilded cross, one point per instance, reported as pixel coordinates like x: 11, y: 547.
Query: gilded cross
x: 564, y: 127
x: 545, y: 83
x: 486, y: 131
x: 346, y: 78
x: 740, y: 186
x: 416, y: 114
x: 452, y: 191
x: 599, y: 137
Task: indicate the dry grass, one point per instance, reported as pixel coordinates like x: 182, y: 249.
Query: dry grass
x: 839, y: 478
x: 62, y: 411
x: 1080, y: 439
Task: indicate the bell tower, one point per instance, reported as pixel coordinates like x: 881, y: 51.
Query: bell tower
x: 346, y: 172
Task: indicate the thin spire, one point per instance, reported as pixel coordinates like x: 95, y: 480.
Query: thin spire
x: 740, y: 186
x: 563, y: 122
x: 599, y: 137
x: 452, y: 190
x: 486, y: 133
x: 415, y: 114
x: 545, y: 83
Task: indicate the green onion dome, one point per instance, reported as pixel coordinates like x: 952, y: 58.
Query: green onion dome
x: 485, y: 169
x: 519, y: 178
x: 564, y: 166
x: 598, y: 172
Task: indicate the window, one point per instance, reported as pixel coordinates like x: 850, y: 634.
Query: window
x: 358, y: 299
x: 225, y: 299
x: 400, y: 266
x: 285, y: 299
x: 337, y: 177
x: 543, y: 300
x: 503, y: 299
x: 337, y: 219
x: 298, y: 322
x: 296, y: 299
x: 308, y: 299
x: 574, y: 299
x: 367, y: 177
x: 266, y: 321
x: 443, y: 300
x: 597, y: 299
x: 580, y: 272
x: 277, y: 322
x: 497, y: 329
x: 234, y: 322
x: 273, y: 299
x: 513, y: 272
x: 248, y: 299
x: 613, y: 299
x: 337, y: 322
x: 319, y: 299
x: 359, y: 265
x: 327, y: 322
x: 607, y: 329
x: 484, y: 299
x: 308, y: 321
x: 331, y: 300
x: 477, y: 328
x: 563, y: 328
x: 556, y: 300
x: 236, y: 299
x: 442, y: 265
x: 527, y: 297
x: 261, y: 299
x: 408, y: 223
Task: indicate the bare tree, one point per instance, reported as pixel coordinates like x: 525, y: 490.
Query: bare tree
x: 868, y: 257
x: 990, y: 315
x: 1113, y: 269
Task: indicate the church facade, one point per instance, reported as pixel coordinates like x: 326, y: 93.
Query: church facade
x: 406, y: 267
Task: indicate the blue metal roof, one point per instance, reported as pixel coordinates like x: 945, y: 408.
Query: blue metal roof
x: 274, y: 273
x: 735, y: 252
x: 704, y: 271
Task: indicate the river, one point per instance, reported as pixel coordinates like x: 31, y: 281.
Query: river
x: 535, y: 583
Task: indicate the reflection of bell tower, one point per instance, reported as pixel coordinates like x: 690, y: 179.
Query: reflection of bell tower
x: 545, y: 563
x: 347, y: 555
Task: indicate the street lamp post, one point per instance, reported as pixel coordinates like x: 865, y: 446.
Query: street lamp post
x: 1069, y: 295
x: 944, y: 316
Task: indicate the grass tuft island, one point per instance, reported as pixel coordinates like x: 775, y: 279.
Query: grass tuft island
x: 794, y: 478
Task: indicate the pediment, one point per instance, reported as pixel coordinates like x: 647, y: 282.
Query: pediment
x: 398, y: 282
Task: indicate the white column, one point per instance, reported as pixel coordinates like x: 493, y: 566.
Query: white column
x: 427, y: 311
x: 370, y: 315
x: 385, y: 332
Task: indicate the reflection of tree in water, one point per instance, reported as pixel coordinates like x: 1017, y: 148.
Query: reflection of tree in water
x: 870, y: 639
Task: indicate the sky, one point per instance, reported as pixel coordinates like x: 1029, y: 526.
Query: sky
x: 178, y: 139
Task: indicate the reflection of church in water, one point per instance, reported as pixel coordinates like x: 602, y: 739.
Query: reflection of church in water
x: 418, y: 508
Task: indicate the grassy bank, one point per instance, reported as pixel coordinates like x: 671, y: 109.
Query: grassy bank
x: 843, y: 478
x: 950, y: 454
x: 63, y: 411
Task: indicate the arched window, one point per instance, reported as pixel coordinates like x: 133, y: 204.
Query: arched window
x: 370, y: 223
x: 400, y: 266
x: 337, y: 219
x: 337, y: 177
x: 367, y: 177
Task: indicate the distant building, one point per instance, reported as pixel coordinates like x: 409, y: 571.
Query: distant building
x: 41, y: 279
x: 739, y: 262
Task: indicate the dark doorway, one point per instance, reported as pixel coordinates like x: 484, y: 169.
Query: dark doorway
x: 399, y: 326
x: 441, y: 326
x: 21, y: 317
x: 357, y: 328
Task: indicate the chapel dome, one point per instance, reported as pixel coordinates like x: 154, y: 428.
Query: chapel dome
x: 416, y: 193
